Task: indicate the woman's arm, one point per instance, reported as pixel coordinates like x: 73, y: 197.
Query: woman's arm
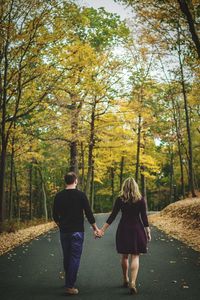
x: 112, y: 216
x: 145, y: 219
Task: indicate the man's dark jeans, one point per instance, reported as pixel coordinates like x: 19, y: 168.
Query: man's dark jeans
x: 72, y: 245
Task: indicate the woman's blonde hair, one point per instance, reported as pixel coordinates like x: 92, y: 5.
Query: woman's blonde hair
x: 130, y: 191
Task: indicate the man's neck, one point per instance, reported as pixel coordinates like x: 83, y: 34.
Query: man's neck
x: 70, y: 186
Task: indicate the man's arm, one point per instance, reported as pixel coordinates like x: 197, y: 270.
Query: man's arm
x: 89, y: 214
x: 56, y: 216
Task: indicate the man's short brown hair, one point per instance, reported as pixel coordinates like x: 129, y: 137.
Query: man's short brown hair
x: 70, y: 178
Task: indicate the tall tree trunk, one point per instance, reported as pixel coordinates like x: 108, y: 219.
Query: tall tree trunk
x: 30, y: 192
x: 191, y: 23
x: 45, y: 201
x: 74, y: 131
x: 143, y: 185
x: 44, y: 195
x: 142, y: 169
x: 190, y: 162
x: 11, y: 181
x: 171, y: 194
x: 4, y: 135
x: 74, y: 157
x: 90, y: 151
x: 138, y: 148
x: 2, y: 176
x: 92, y: 188
x: 176, y: 117
x: 17, y: 194
x: 82, y: 167
x: 112, y: 175
x: 182, y: 171
x: 121, y: 172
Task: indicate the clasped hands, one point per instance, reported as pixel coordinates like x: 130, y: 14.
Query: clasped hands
x: 98, y: 233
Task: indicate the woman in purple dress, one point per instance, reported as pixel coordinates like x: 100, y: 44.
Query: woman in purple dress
x: 133, y: 230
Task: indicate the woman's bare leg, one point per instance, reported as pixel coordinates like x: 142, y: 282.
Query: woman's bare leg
x: 125, y: 266
x: 134, y: 268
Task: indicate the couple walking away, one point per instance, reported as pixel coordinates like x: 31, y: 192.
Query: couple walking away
x: 132, y: 233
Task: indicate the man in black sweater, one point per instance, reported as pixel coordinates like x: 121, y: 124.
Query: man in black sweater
x: 68, y: 208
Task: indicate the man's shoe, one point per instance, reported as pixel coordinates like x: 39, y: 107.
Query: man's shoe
x: 71, y: 291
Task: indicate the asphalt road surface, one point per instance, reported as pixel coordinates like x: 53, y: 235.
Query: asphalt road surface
x: 169, y: 271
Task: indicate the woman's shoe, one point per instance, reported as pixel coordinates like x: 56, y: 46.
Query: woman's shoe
x: 125, y: 284
x: 133, y: 289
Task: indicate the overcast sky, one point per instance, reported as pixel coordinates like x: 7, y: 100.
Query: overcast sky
x: 109, y: 5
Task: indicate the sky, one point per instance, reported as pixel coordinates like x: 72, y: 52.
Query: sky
x: 110, y: 6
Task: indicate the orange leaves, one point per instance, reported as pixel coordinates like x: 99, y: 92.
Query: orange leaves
x: 11, y: 240
x: 181, y: 220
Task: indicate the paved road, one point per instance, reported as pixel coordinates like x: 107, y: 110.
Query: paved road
x: 170, y: 270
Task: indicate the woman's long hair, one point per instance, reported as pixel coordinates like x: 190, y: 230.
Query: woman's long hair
x: 130, y: 191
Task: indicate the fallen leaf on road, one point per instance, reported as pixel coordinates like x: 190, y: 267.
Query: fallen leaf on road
x: 155, y: 280
x: 61, y: 275
x: 185, y: 286
x: 172, y: 261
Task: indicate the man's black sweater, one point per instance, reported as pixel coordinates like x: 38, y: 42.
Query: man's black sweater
x: 68, y: 208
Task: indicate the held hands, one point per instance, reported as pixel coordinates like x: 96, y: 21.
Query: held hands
x: 99, y: 233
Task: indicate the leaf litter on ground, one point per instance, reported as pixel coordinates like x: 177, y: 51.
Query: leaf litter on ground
x: 10, y: 240
x: 181, y: 220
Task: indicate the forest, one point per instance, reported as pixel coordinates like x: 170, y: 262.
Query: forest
x: 83, y: 90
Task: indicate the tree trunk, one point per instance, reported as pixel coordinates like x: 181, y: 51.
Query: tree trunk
x: 112, y: 175
x: 191, y: 23
x: 90, y: 151
x: 74, y: 131
x: 30, y: 192
x: 190, y: 162
x: 82, y: 167
x: 171, y: 194
x: 74, y: 157
x: 176, y: 117
x: 2, y: 183
x: 45, y: 201
x: 138, y: 148
x: 17, y: 194
x: 143, y: 185
x: 121, y: 172
x: 92, y: 188
x: 142, y: 169
x: 182, y: 171
x: 11, y: 181
x: 44, y: 195
x: 4, y: 135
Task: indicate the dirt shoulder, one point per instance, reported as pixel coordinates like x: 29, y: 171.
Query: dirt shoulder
x: 181, y: 220
x: 10, y: 240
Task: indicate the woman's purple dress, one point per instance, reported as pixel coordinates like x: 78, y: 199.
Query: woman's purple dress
x: 130, y: 237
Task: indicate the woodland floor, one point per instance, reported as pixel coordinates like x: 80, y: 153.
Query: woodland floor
x: 180, y: 220
x: 10, y: 240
